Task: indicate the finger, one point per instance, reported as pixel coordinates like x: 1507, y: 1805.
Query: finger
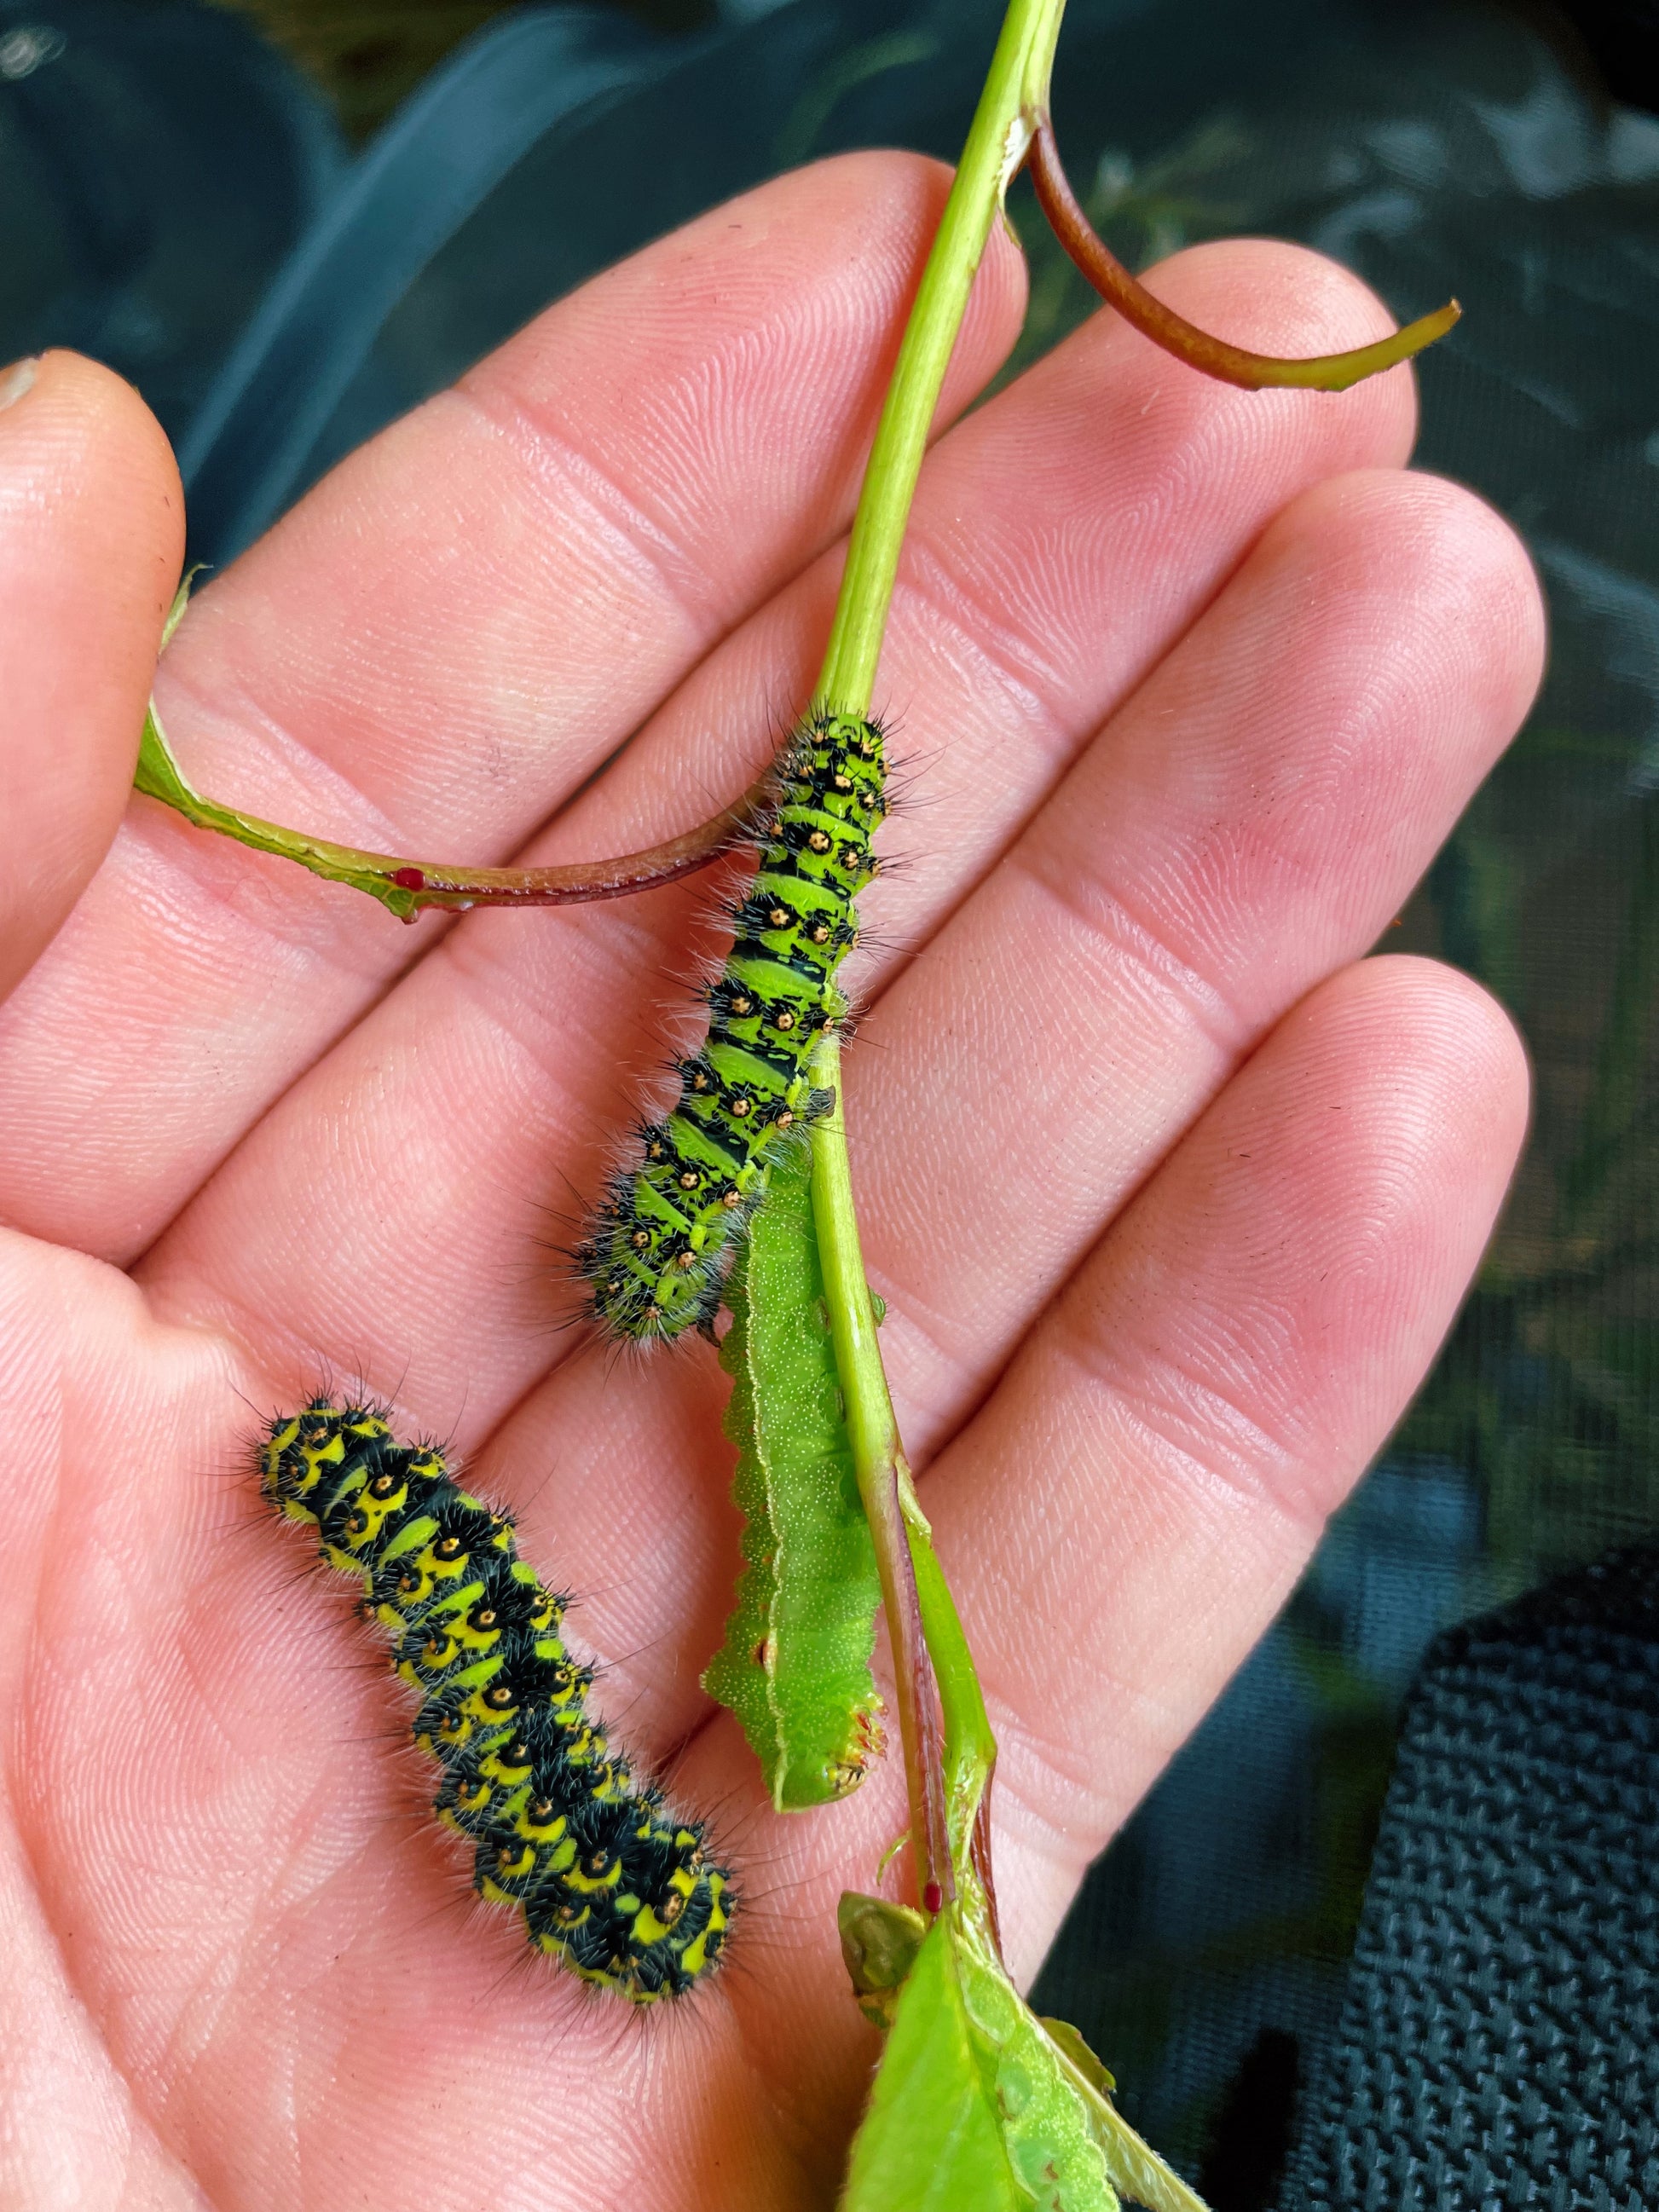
x: 542, y: 1031
x: 445, y: 640
x: 1129, y: 1511
x: 91, y: 537
x: 1252, y: 820
x: 1210, y: 1387
x: 76, y: 2130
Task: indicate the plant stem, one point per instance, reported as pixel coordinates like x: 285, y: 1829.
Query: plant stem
x: 407, y: 887
x: 946, y: 1780
x: 1213, y: 356
x: 878, y: 1458
x: 1016, y: 88
x: 949, y: 1781
x: 970, y: 1749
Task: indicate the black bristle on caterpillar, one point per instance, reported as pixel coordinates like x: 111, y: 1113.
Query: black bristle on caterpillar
x: 659, y: 1248
x: 607, y: 1878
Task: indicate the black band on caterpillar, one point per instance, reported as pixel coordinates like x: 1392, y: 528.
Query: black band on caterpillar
x: 659, y: 1248
x: 607, y: 1878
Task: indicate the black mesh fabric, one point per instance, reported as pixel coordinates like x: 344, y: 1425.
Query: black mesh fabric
x: 1498, y: 2045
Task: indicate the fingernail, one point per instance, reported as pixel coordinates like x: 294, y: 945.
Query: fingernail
x: 18, y: 379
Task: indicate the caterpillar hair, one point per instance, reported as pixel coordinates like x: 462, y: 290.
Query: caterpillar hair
x: 657, y: 1254
x: 608, y: 1880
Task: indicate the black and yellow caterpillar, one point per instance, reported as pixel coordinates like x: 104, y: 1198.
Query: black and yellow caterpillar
x: 607, y: 1878
x: 659, y: 1250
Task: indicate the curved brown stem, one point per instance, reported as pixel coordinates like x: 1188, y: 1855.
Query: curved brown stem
x: 405, y: 887
x: 576, y: 883
x: 1330, y: 372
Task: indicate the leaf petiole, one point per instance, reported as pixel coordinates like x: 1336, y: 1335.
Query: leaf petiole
x: 1199, y: 349
x: 407, y: 887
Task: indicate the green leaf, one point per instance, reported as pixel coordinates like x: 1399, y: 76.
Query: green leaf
x: 975, y: 2107
x: 1065, y: 2037
x: 158, y: 773
x: 1138, y: 2174
x: 795, y: 1664
x: 180, y: 601
x: 931, y: 2141
x: 159, y: 776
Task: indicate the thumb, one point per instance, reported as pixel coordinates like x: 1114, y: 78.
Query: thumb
x: 91, y: 538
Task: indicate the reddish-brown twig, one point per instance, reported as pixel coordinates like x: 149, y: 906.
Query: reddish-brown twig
x: 1214, y: 356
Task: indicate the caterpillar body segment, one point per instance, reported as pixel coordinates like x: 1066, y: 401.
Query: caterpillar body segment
x: 607, y: 1879
x: 658, y: 1251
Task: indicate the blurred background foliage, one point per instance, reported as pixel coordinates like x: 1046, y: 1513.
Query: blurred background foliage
x: 368, y: 54
x: 367, y: 57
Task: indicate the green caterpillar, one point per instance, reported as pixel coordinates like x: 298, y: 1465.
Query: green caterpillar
x: 606, y: 1879
x: 658, y: 1251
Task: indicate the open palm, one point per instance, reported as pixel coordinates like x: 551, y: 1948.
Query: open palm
x: 1170, y: 1193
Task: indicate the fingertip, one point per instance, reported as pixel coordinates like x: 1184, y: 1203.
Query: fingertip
x: 1476, y: 558
x: 1460, y: 1045
x: 1392, y: 1106
x: 1442, y: 547
x: 91, y: 540
x: 1304, y: 1251
x: 1405, y: 1080
x: 113, y: 463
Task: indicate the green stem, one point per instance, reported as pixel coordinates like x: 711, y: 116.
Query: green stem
x: 970, y: 1748
x: 947, y: 1782
x: 883, y: 1477
x: 1016, y: 89
x: 930, y: 1651
x: 407, y: 887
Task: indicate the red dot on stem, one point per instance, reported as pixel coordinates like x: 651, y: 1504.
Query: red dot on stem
x: 931, y: 1896
x: 409, y: 879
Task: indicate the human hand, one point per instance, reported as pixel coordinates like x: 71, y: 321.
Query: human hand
x: 1170, y: 1194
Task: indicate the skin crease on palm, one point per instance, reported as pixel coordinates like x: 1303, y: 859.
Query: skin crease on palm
x: 1170, y: 1192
